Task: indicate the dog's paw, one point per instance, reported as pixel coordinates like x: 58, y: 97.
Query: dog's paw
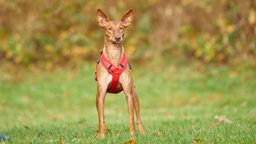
x: 141, y: 130
x: 100, y: 134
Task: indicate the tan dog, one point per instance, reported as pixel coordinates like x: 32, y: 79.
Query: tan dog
x: 113, y: 51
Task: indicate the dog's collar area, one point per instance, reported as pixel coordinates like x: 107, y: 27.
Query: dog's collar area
x: 115, y: 71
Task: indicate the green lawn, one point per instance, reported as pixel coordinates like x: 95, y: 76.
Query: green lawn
x: 179, y: 104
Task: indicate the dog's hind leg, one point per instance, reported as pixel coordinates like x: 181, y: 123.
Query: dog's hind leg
x: 137, y: 110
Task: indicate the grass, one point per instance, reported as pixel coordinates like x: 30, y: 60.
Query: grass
x: 178, y: 105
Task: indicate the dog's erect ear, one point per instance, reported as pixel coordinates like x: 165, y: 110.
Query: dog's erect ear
x: 102, y: 18
x: 128, y: 18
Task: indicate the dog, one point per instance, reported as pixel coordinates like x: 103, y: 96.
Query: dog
x: 113, y: 73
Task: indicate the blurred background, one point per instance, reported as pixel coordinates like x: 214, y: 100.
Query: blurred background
x: 49, y: 34
x: 193, y: 63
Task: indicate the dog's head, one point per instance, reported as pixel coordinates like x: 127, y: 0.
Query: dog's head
x: 114, y: 30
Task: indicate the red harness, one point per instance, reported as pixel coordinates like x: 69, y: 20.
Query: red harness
x: 115, y: 71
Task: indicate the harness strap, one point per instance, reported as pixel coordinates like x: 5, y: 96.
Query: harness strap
x: 115, y: 71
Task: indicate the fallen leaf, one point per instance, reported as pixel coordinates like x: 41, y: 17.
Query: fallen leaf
x: 131, y: 141
x: 157, y: 133
x: 61, y: 141
x: 214, y: 124
x: 223, y: 119
x: 197, y: 140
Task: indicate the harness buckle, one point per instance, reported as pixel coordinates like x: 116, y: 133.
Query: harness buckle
x: 116, y: 71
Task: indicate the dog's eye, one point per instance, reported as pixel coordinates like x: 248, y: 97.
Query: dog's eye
x: 110, y: 28
x: 121, y: 28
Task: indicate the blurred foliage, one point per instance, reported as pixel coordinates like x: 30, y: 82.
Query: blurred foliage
x: 61, y: 31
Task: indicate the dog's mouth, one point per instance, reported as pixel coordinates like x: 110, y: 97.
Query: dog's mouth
x: 115, y: 41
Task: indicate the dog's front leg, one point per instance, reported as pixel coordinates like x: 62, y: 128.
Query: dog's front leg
x: 130, y: 105
x: 129, y: 100
x: 100, y: 97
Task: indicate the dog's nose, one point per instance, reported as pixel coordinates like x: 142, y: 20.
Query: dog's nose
x: 117, y: 38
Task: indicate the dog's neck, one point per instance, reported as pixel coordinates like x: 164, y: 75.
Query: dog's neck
x: 113, y: 52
